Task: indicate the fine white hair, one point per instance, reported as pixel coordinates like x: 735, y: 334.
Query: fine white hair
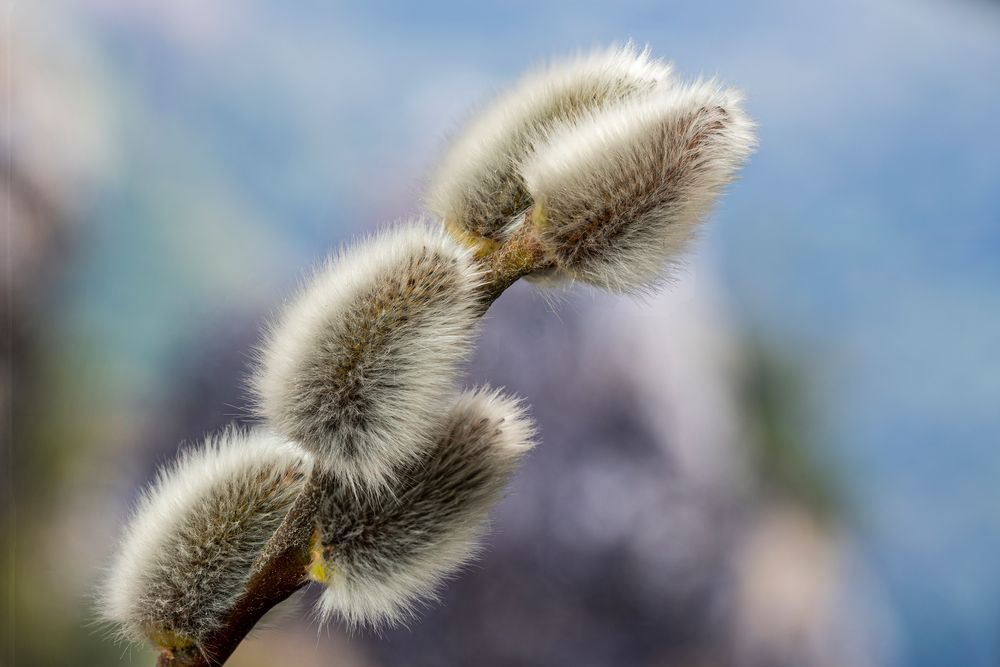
x: 619, y: 191
x: 195, y: 533
x: 477, y: 187
x: 380, y: 559
x: 357, y: 367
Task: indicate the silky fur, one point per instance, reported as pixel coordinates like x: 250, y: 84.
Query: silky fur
x: 357, y: 368
x: 478, y: 186
x: 381, y: 558
x: 192, y: 540
x: 619, y: 192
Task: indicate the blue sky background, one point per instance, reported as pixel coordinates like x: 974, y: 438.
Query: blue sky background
x: 864, y: 236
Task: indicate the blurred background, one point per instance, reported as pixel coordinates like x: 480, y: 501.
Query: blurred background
x: 791, y: 458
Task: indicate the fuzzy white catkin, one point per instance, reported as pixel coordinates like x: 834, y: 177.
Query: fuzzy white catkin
x: 381, y: 558
x: 478, y: 187
x: 189, y: 547
x: 358, y: 366
x: 620, y: 191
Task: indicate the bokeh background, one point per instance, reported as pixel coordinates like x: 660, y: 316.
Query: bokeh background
x: 791, y: 458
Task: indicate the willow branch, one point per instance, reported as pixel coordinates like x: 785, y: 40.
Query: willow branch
x: 282, y: 566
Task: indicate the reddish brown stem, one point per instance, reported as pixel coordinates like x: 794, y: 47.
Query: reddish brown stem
x: 521, y: 254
